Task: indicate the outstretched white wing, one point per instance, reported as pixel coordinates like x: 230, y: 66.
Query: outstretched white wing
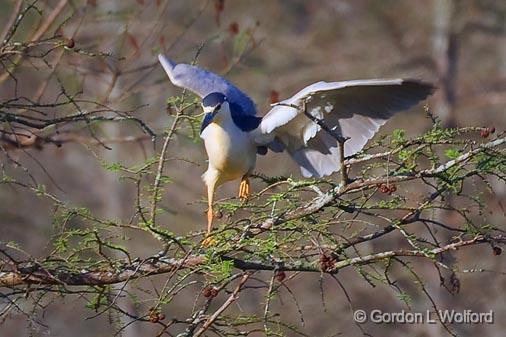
x: 353, y: 109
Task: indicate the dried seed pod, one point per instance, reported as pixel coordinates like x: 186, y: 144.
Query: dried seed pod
x: 70, y: 43
x: 153, y: 315
x: 206, y: 292
x: 326, y: 262
x: 384, y: 188
x: 280, y: 275
x: 497, y: 250
x: 233, y: 28
x: 210, y: 292
x: 219, y: 5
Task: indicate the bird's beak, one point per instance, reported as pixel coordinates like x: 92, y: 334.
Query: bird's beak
x: 208, y: 117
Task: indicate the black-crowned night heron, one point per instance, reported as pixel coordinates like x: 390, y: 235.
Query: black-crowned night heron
x: 233, y: 135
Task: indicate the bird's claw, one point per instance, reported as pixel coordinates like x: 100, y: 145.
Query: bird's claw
x: 244, y: 189
x: 208, y: 241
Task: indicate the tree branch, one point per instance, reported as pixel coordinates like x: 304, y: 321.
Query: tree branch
x: 324, y: 200
x: 36, y: 274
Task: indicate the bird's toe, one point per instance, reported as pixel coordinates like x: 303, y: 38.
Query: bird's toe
x: 244, y: 191
x: 208, y: 241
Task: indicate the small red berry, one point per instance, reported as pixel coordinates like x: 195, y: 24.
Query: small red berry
x: 484, y: 133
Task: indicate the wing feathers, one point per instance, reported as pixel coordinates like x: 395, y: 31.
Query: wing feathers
x: 354, y: 109
x: 203, y: 82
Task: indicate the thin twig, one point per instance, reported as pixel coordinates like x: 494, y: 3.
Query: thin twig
x: 231, y: 299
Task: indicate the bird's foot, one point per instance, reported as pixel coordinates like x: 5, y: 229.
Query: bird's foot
x: 244, y: 189
x: 208, y: 241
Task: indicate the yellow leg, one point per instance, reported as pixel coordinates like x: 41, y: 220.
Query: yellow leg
x: 244, y: 188
x: 209, y: 241
x: 210, y: 216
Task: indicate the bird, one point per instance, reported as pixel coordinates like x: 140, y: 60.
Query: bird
x: 319, y: 126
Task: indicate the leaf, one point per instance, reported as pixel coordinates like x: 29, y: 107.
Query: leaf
x: 398, y: 136
x: 452, y: 153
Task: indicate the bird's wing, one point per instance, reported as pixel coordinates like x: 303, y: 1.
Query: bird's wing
x: 203, y: 82
x: 353, y: 109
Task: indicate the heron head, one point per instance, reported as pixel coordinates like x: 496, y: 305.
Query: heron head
x: 214, y: 105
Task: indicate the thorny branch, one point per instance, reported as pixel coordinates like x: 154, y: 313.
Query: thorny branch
x: 34, y: 274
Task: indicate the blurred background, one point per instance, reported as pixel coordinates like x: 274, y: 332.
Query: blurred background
x: 270, y: 49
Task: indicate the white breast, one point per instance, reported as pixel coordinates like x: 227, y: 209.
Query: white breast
x: 231, y: 151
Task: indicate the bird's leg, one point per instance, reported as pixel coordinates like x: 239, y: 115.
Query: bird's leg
x: 210, y: 216
x: 244, y: 188
x: 209, y: 241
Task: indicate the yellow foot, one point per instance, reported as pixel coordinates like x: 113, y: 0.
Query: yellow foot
x: 209, y: 241
x: 244, y: 189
